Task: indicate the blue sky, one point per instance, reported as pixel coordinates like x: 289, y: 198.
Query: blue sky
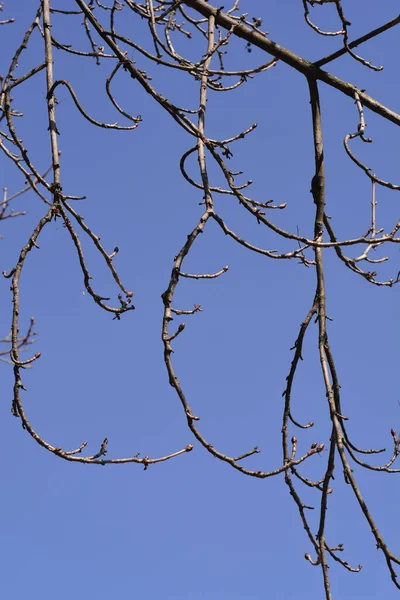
x: 193, y: 527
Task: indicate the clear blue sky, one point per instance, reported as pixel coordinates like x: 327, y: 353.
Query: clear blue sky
x: 193, y: 528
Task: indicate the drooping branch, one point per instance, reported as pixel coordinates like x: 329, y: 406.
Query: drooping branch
x: 167, y: 23
x: 302, y: 65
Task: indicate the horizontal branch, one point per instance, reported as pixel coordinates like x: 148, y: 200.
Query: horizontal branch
x: 305, y: 67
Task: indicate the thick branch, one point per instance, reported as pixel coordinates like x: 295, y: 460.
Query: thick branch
x: 299, y: 64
